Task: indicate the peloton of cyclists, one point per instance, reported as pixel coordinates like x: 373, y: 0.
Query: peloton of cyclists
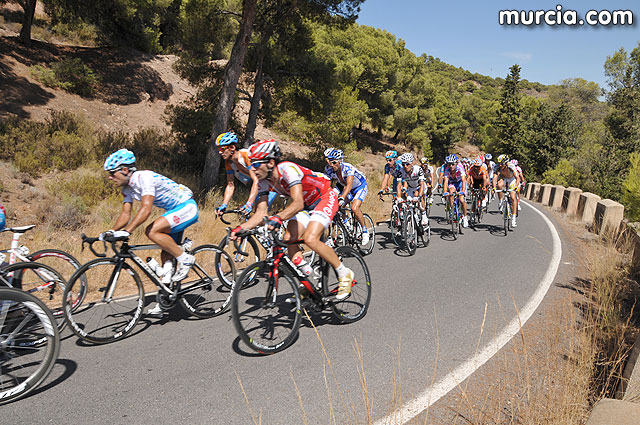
x: 153, y: 189
x: 352, y: 182
x: 455, y: 182
x: 507, y: 176
x: 313, y: 205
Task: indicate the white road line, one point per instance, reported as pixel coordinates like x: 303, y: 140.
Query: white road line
x: 433, y: 393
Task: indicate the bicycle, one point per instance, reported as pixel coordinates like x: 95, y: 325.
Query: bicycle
x: 412, y: 228
x: 454, y: 215
x: 29, y: 341
x: 346, y: 231
x: 505, y: 209
x: 247, y: 253
x: 476, y: 207
x: 115, y: 299
x: 48, y: 287
x: 266, y: 306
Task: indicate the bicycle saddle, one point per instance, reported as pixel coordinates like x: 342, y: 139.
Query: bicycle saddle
x: 20, y: 229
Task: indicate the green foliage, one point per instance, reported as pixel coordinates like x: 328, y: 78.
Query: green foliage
x: 631, y: 189
x: 61, y: 143
x: 77, y: 32
x: 71, y: 75
x: 87, y: 187
x: 563, y: 174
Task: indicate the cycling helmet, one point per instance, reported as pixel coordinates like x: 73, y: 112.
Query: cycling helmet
x: 488, y: 157
x: 118, y: 159
x: 477, y: 162
x: 480, y: 157
x: 264, y: 150
x: 451, y: 159
x: 514, y: 161
x: 391, y: 154
x: 424, y: 160
x: 225, y: 139
x: 503, y: 158
x: 333, y: 154
x: 406, y: 158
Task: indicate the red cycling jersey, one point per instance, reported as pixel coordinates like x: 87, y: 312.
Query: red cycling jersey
x: 313, y: 184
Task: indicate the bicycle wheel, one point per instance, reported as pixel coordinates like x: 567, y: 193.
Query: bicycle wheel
x: 266, y: 318
x: 240, y: 261
x: 29, y: 343
x: 505, y: 217
x: 368, y: 224
x: 409, y: 234
x: 355, y: 306
x: 41, y: 281
x: 395, y: 226
x: 453, y: 214
x: 113, y: 304
x: 338, y: 233
x: 63, y: 262
x: 208, y: 296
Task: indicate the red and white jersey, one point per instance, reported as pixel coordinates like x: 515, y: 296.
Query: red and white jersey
x: 313, y: 184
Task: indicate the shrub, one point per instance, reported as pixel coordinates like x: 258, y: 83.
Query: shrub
x: 45, y: 75
x: 90, y: 186
x: 631, y: 189
x: 563, y: 174
x: 77, y: 33
x: 75, y: 77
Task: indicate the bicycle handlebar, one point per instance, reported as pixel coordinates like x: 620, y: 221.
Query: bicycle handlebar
x: 91, y: 241
x: 238, y: 212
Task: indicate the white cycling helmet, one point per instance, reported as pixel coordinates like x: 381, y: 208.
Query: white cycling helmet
x: 406, y: 158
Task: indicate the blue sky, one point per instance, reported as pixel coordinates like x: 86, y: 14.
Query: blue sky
x: 467, y: 34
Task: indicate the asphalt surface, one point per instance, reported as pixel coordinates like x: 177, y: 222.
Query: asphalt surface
x: 428, y: 314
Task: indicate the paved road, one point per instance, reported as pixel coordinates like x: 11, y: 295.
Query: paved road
x: 425, y: 318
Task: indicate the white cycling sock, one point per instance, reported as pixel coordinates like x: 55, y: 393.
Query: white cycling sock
x: 167, y: 267
x: 342, y: 270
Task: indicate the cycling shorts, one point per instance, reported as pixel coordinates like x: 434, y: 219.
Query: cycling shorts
x: 181, y: 217
x: 456, y: 185
x: 3, y: 219
x: 478, y: 184
x: 358, y: 194
x: 322, y: 211
x: 510, y: 183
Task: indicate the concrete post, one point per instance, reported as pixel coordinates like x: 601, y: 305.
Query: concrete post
x: 557, y: 193
x: 587, y: 207
x: 570, y: 200
x: 535, y: 190
x: 608, y: 216
x: 545, y: 194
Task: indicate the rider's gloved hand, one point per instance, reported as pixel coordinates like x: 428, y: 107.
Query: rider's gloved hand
x: 103, y: 235
x: 340, y: 201
x: 222, y: 208
x: 121, y: 234
x: 274, y: 221
x: 380, y: 192
x: 246, y: 208
x: 238, y: 232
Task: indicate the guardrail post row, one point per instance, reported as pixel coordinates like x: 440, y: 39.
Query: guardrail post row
x: 535, y: 190
x: 608, y: 216
x: 545, y: 194
x: 557, y: 193
x: 570, y: 200
x: 609, y: 411
x: 587, y: 207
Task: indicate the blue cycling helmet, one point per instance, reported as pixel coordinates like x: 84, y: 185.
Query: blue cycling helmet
x: 391, y: 154
x: 451, y: 159
x: 118, y: 159
x: 488, y: 157
x: 333, y: 154
x: 225, y: 139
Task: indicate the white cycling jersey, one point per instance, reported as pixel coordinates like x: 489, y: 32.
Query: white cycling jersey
x: 167, y: 193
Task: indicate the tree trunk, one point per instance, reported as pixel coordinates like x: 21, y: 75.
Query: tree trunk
x: 395, y: 136
x: 257, y: 91
x: 225, y: 105
x: 29, y: 7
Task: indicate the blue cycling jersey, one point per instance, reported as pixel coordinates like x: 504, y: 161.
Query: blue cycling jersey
x: 347, y: 170
x: 396, y: 171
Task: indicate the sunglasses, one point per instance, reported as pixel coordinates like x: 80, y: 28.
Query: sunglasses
x: 334, y: 162
x: 112, y: 172
x: 390, y: 160
x: 255, y: 165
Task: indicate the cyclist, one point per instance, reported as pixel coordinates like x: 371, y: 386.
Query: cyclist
x: 353, y: 184
x: 441, y: 173
x: 3, y: 217
x: 507, y: 176
x: 392, y: 170
x: 413, y: 183
x: 153, y: 189
x: 236, y: 164
x: 479, y: 177
x: 455, y: 182
x: 430, y: 175
x: 522, y: 184
x: 313, y: 205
